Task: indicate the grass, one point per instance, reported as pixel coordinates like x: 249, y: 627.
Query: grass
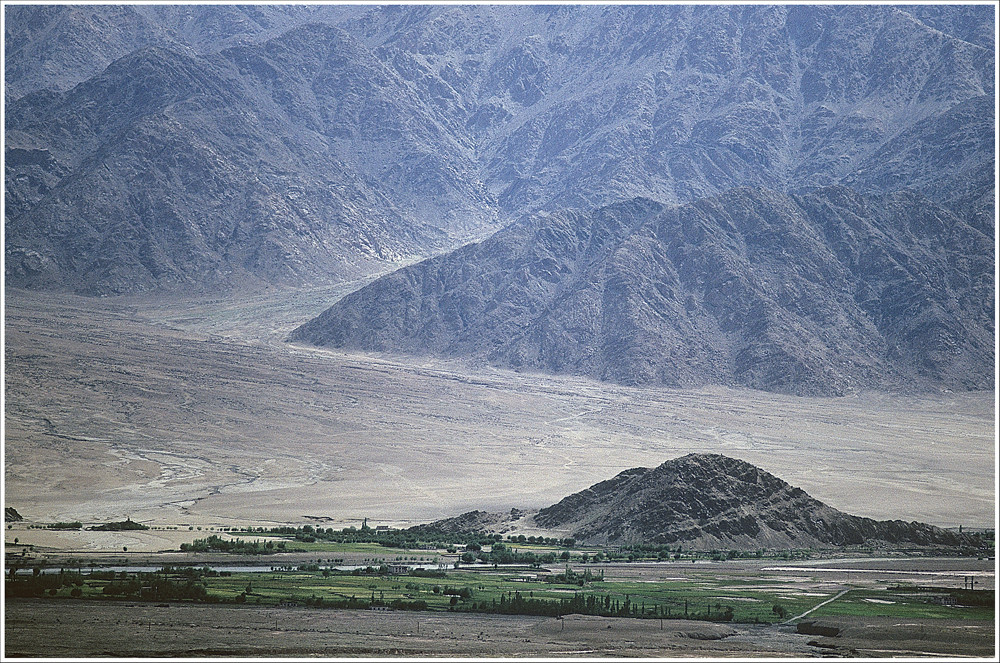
x: 701, y: 596
x: 854, y: 604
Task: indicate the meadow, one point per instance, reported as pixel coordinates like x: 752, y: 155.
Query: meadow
x: 733, y: 592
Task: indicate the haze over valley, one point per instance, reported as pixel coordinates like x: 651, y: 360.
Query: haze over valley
x: 617, y: 278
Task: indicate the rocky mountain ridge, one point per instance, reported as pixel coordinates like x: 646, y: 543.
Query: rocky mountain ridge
x: 58, y: 46
x: 171, y: 169
x: 375, y: 133
x: 826, y: 293
x: 704, y: 502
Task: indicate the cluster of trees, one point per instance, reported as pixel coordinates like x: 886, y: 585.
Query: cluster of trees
x: 120, y: 526
x: 214, y: 543
x: 543, y: 540
x: 501, y: 553
x: 76, y: 524
x: 39, y: 584
x: 514, y: 603
x: 413, y: 538
x: 571, y: 577
x: 409, y: 539
x: 157, y: 587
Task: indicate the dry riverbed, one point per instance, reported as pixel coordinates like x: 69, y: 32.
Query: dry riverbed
x: 195, y: 412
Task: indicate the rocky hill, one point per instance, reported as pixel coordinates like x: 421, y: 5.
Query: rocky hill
x: 825, y: 293
x: 472, y: 521
x: 707, y: 501
x: 302, y: 144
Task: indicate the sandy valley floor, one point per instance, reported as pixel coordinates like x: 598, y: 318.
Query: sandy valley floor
x: 196, y: 412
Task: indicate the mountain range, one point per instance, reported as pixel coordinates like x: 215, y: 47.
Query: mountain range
x: 704, y: 502
x: 827, y: 293
x: 785, y: 197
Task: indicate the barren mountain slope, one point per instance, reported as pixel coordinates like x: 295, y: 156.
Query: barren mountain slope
x: 826, y: 293
x: 704, y: 501
x: 709, y: 500
x: 267, y: 143
x: 255, y: 163
x: 57, y: 46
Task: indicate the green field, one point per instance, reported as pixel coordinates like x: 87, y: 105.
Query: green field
x: 740, y: 598
x: 901, y: 604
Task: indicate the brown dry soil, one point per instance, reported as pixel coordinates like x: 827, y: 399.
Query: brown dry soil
x: 63, y: 629
x: 876, y: 637
x: 196, y: 412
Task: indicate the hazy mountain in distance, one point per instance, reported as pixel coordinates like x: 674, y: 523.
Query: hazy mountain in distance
x: 580, y: 106
x: 55, y: 47
x: 827, y: 293
x: 300, y: 144
x: 259, y: 162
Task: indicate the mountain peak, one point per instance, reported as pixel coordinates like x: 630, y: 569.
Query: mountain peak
x: 711, y: 500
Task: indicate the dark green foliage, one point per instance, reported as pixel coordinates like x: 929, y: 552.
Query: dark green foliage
x: 120, y: 526
x: 235, y: 546
x: 571, y: 577
x: 35, y: 586
x: 157, y: 587
x: 399, y: 604
x: 76, y: 524
x: 427, y: 573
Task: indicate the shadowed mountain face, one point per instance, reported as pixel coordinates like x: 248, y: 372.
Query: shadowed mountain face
x: 306, y: 144
x: 56, y: 47
x: 170, y: 169
x: 826, y: 293
x: 708, y: 501
x: 705, y: 501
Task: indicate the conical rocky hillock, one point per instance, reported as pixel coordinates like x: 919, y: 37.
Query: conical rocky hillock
x: 713, y: 501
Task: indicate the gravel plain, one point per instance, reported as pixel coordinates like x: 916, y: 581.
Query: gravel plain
x: 196, y: 412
